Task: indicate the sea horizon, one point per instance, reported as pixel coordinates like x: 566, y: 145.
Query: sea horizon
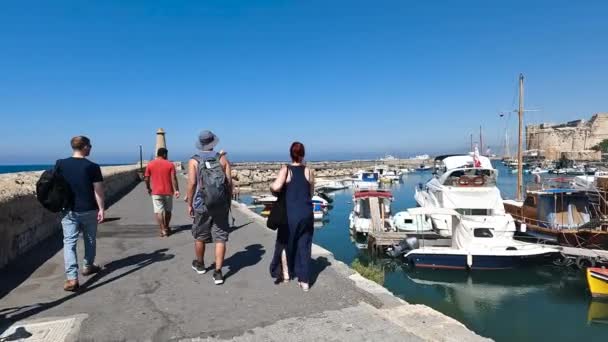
x: 14, y: 168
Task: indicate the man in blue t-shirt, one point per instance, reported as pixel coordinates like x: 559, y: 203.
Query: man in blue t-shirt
x: 86, y: 182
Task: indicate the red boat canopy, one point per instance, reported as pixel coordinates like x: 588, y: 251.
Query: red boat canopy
x: 373, y: 193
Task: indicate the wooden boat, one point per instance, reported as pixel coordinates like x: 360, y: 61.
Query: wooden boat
x: 597, y: 279
x: 569, y: 216
x: 371, y: 207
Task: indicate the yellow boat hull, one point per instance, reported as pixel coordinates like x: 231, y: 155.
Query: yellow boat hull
x: 598, y: 282
x: 598, y: 312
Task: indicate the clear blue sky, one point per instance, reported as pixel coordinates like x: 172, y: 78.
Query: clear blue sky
x: 347, y: 78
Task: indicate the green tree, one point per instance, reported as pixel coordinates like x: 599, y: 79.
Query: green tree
x: 602, y: 146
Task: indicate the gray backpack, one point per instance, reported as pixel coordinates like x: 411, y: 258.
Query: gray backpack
x: 211, y: 188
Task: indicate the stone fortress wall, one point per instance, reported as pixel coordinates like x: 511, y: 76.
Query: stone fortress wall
x: 572, y: 140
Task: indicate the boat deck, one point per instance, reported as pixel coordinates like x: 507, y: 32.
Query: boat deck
x: 377, y: 241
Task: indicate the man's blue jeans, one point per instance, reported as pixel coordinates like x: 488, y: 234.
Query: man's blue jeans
x: 73, y: 223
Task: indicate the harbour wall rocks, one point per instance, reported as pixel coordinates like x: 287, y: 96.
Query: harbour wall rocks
x: 257, y: 175
x: 25, y: 223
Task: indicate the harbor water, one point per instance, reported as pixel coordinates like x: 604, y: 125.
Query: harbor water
x: 547, y: 303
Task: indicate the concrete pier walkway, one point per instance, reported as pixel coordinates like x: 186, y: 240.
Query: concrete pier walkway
x: 148, y: 291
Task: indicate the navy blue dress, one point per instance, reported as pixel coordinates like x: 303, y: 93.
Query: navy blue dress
x: 296, y: 236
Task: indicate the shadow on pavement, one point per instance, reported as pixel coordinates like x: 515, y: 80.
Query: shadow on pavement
x: 10, y: 315
x: 110, y: 219
x: 234, y: 227
x: 23, y: 266
x: 317, y: 266
x: 180, y: 228
x: 242, y: 259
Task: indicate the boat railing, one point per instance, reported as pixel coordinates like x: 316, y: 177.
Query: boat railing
x: 536, y: 222
x: 551, y: 183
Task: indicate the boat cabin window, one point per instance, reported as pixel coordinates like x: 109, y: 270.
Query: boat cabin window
x: 530, y: 202
x: 483, y: 232
x: 475, y: 212
x: 408, y: 221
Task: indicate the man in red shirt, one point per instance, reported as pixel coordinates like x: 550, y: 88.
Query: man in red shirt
x: 161, y: 173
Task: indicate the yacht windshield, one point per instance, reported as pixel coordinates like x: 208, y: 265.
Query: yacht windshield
x: 471, y: 177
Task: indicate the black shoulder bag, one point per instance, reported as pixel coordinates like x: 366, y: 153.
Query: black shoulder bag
x: 278, y: 212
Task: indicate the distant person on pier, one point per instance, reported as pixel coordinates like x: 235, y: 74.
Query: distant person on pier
x: 208, y: 201
x: 86, y: 182
x: 161, y: 181
x: 236, y: 190
x: 292, y: 256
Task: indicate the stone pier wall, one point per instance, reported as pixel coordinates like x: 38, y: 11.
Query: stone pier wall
x: 24, y: 222
x: 259, y: 174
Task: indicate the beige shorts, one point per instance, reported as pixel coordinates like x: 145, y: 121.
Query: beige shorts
x: 162, y: 203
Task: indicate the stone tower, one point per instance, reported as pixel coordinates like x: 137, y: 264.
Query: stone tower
x: 160, y: 140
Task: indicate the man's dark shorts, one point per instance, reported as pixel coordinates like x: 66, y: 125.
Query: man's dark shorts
x: 211, y: 226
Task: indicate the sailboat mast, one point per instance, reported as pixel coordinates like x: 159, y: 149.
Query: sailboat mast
x: 480, y: 142
x: 520, y: 112
x: 471, y: 142
x: 507, y: 148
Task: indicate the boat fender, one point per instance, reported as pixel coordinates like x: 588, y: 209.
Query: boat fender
x: 583, y: 262
x: 412, y: 242
x: 523, y: 227
x: 469, y: 260
x: 478, y: 181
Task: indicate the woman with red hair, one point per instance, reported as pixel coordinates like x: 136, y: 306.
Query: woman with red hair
x: 292, y: 255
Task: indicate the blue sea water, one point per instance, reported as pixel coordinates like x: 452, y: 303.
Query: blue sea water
x: 32, y: 167
x: 22, y: 168
x: 544, y: 303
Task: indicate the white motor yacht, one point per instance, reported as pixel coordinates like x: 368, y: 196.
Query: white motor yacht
x: 476, y: 245
x: 467, y: 184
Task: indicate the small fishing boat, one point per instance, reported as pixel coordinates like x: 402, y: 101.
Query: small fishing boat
x: 538, y: 171
x: 423, y: 168
x: 321, y: 204
x: 597, y: 279
x: 264, y: 199
x: 318, y: 211
x: 403, y: 221
x: 330, y: 185
x: 365, y: 180
x: 390, y: 177
x: 266, y: 210
x: 476, y: 245
x: 371, y: 207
